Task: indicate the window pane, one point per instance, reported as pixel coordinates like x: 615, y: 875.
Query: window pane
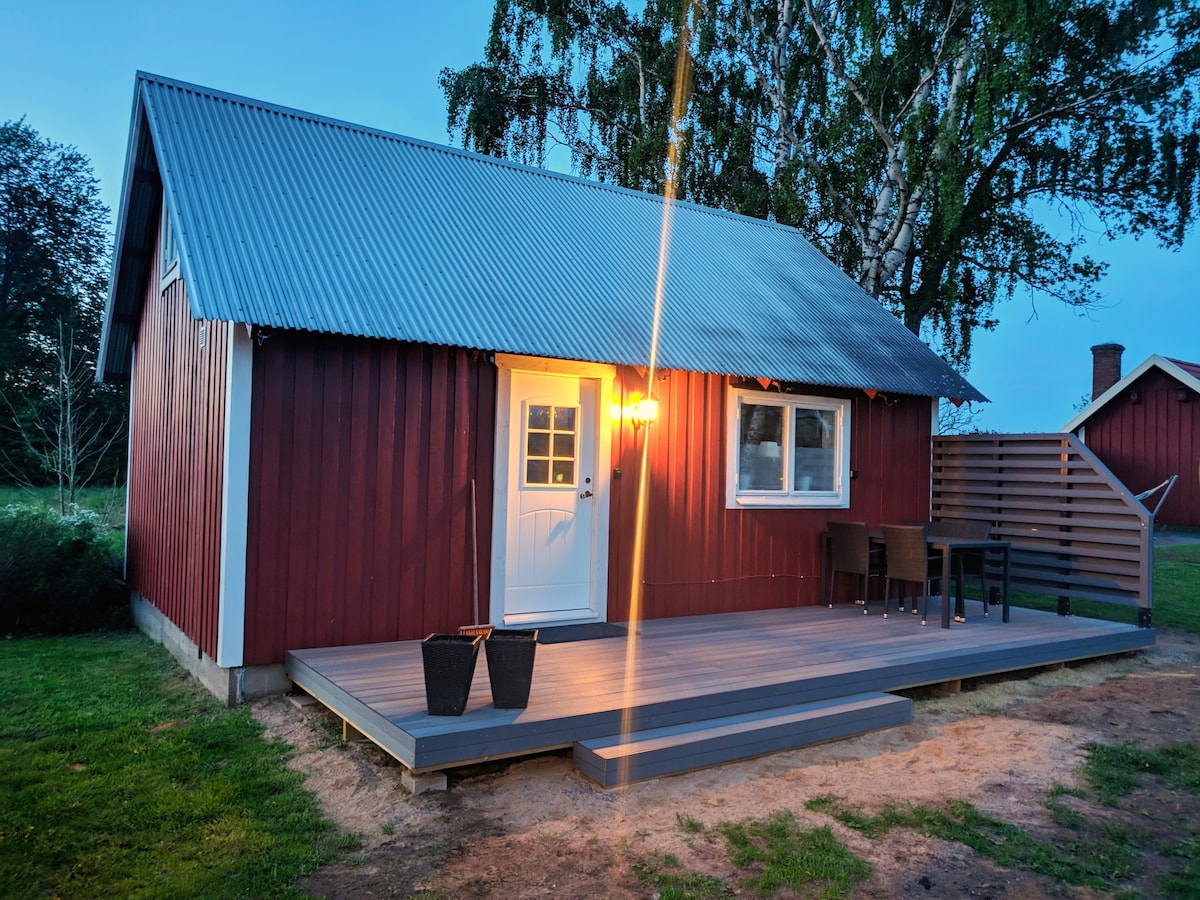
x: 539, y: 417
x: 564, y: 418
x: 564, y: 446
x: 564, y: 471
x: 760, y: 461
x: 815, y: 454
x: 537, y: 471
x: 538, y: 444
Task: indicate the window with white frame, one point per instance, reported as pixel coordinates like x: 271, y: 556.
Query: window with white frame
x: 169, y: 257
x: 787, y: 450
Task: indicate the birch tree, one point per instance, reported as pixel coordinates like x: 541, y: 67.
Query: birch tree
x: 924, y: 145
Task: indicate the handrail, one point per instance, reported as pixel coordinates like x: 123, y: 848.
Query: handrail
x: 1168, y: 484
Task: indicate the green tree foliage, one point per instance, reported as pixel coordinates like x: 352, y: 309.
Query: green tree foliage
x: 921, y: 144
x: 56, y: 424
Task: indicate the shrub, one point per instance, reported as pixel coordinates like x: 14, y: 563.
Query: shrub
x: 56, y: 572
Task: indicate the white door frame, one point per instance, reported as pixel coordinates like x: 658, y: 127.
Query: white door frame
x: 604, y: 376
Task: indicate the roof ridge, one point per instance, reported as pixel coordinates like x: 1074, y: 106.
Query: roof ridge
x: 354, y: 231
x: 472, y: 156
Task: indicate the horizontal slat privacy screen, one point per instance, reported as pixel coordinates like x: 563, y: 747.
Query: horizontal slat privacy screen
x: 1077, y: 532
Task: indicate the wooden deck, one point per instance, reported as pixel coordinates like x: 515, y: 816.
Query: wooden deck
x: 686, y: 670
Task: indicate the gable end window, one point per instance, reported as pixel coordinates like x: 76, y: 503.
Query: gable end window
x: 785, y: 450
x: 169, y: 257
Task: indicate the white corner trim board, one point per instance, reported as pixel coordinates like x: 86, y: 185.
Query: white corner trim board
x: 231, y: 618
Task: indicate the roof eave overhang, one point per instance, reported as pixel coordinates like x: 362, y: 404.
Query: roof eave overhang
x: 133, y: 253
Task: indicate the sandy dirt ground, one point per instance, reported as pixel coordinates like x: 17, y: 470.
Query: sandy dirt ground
x: 535, y: 828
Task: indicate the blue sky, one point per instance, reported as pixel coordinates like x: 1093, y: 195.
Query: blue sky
x: 69, y: 67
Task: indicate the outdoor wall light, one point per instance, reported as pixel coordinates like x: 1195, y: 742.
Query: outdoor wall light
x: 641, y: 410
x: 638, y: 410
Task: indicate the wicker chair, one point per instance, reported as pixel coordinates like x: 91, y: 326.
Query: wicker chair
x: 907, y: 561
x: 852, y: 555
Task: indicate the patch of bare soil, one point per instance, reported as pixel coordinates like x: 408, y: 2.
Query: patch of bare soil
x: 534, y: 828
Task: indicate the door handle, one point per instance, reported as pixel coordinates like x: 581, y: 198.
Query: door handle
x: 585, y: 495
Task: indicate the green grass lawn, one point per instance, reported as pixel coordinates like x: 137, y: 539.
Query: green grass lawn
x: 1176, y: 593
x: 121, y: 777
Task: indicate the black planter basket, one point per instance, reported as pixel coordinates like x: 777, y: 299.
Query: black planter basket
x: 449, y: 669
x: 510, y: 654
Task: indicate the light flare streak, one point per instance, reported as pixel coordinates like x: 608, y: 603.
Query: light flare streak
x: 682, y: 95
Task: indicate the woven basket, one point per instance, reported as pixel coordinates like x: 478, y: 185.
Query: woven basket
x: 484, y: 630
x: 449, y: 669
x: 510, y: 654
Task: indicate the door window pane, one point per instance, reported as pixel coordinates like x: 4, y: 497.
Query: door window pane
x: 564, y: 418
x: 538, y: 443
x: 550, y: 445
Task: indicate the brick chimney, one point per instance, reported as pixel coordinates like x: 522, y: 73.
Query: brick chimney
x: 1106, y: 367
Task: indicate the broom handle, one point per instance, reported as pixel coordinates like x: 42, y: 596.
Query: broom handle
x: 474, y: 554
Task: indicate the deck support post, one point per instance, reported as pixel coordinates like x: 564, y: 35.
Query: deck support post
x: 1144, y: 618
x: 350, y: 733
x: 951, y: 688
x: 422, y: 782
x: 1064, y: 606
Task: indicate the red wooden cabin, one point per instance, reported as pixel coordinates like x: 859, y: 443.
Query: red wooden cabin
x: 382, y: 388
x: 1145, y: 427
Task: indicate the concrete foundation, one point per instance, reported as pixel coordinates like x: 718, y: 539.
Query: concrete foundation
x: 230, y: 685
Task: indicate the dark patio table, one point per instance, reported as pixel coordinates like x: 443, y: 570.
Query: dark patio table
x: 947, y: 546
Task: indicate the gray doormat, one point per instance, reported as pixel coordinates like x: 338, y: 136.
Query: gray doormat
x: 562, y: 634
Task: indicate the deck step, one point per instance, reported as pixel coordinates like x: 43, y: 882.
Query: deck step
x: 615, y: 760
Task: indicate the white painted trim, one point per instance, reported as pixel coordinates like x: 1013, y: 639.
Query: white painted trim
x: 604, y: 376
x: 169, y: 268
x: 129, y: 458
x: 603, y: 489
x: 935, y: 430
x: 555, y: 366
x: 500, y: 492
x: 836, y: 499
x: 235, y: 495
x: 1152, y: 362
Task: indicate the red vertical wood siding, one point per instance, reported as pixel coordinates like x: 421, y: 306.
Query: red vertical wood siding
x: 176, y: 462
x: 362, y: 454
x: 1145, y: 443
x: 703, y: 558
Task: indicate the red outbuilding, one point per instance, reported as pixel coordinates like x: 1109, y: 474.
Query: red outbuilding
x: 1145, y: 427
x: 383, y: 388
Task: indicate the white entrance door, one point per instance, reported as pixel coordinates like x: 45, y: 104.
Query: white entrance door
x: 550, y: 534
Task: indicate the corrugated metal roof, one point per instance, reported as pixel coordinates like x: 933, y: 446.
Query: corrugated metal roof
x: 1191, y: 368
x: 292, y: 220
